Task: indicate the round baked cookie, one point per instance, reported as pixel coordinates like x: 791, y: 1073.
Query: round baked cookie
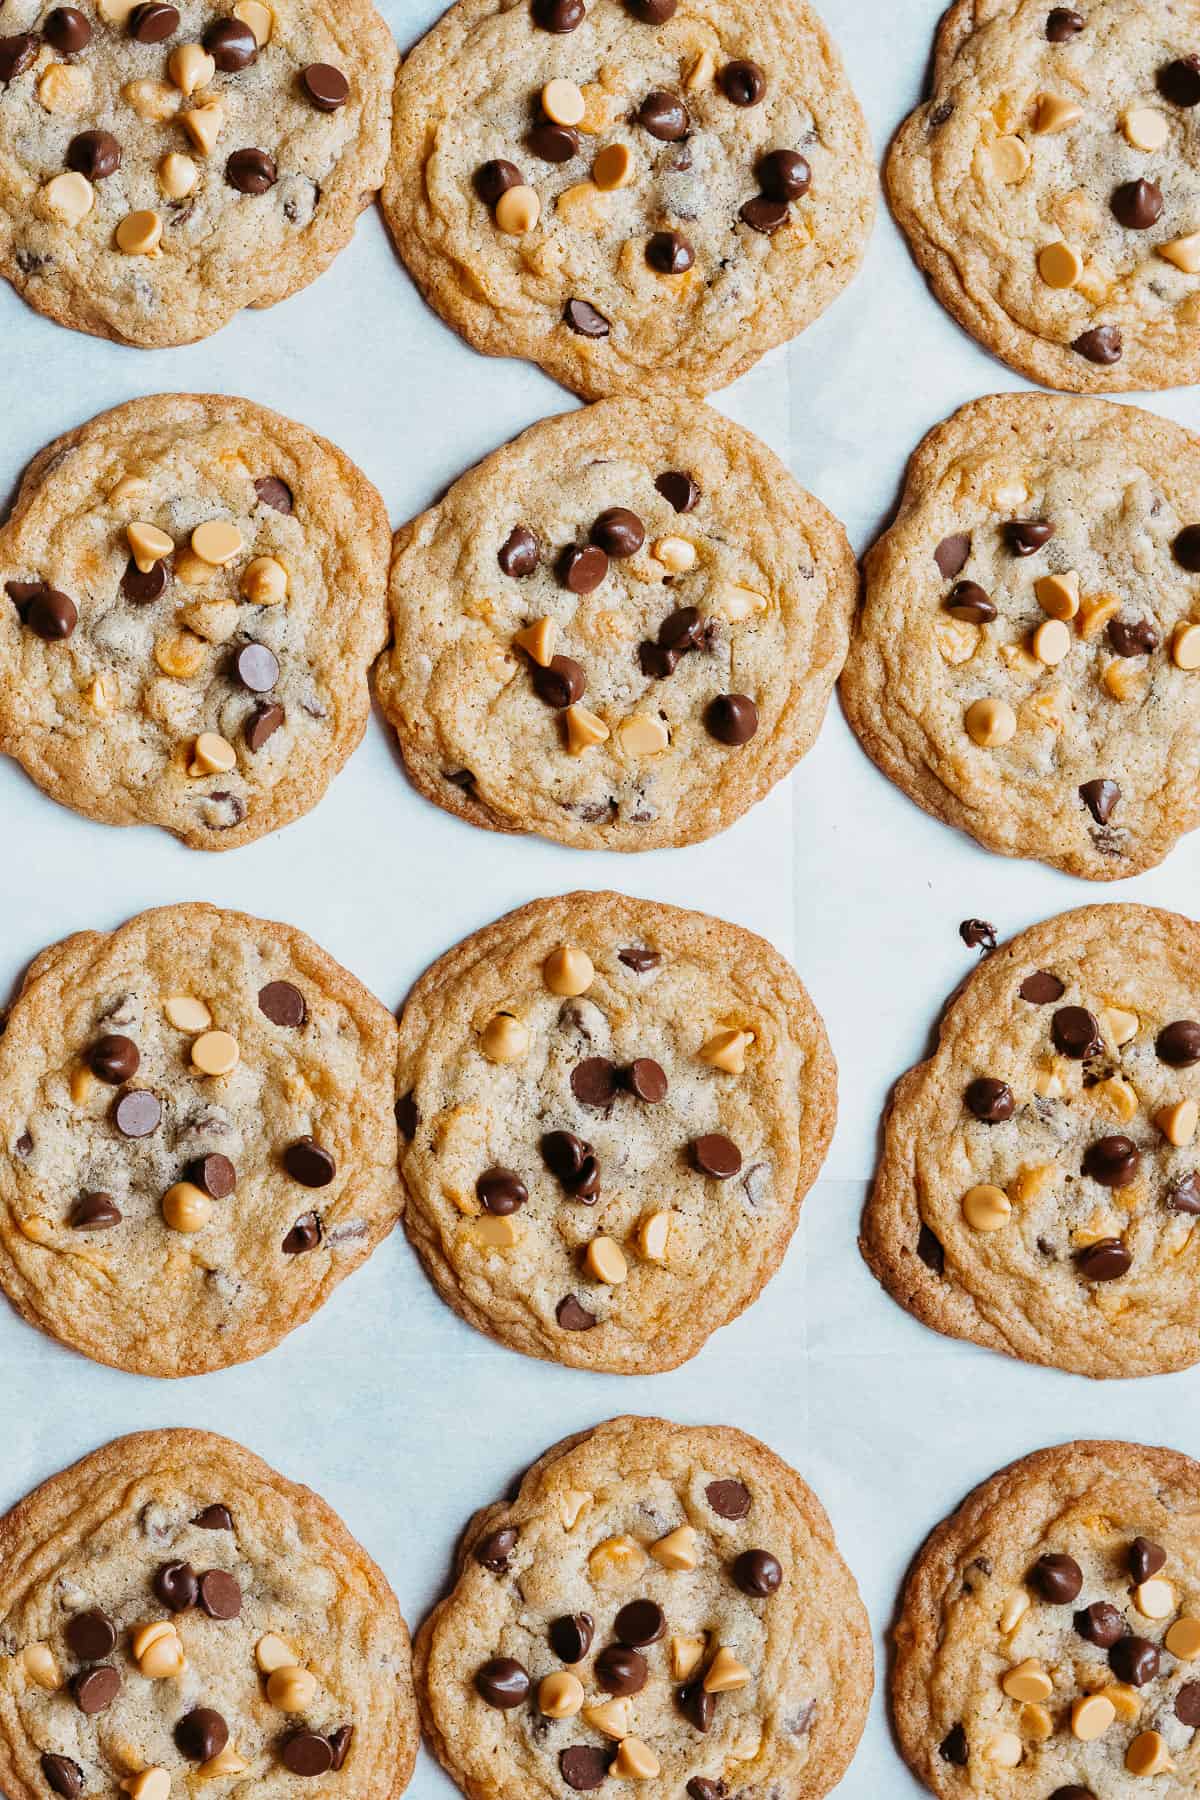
x: 1048, y: 187
x: 195, y: 593
x: 1040, y: 1179
x: 1046, y: 1644
x: 196, y: 1111
x: 611, y: 1111
x: 619, y: 631
x: 663, y: 1604
x: 642, y: 197
x: 163, y: 166
x: 173, y: 1613
x: 1025, y: 663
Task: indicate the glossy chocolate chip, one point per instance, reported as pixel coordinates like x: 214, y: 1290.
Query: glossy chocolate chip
x: 1183, y: 1195
x: 664, y: 116
x: 743, y: 83
x: 1135, y: 1660
x: 339, y: 1743
x: 493, y: 1551
x: 220, y: 1595
x: 177, y: 1585
x: 573, y: 1163
x: 214, y: 1518
x: 67, y: 30
x: 729, y: 1499
x: 304, y: 1236
x: 682, y: 630
x: 1106, y: 1260
x: 594, y: 1082
x: 309, y: 1163
x: 697, y: 1707
x: 952, y: 555
x: 561, y: 683
x: 114, y: 1059
x: 971, y: 603
x: 1146, y: 1558
x: 572, y: 1316
x: 142, y: 586
x: 669, y: 253
x: 990, y: 1100
x: 16, y: 55
x: 1100, y: 1624
x: 731, y: 719
x: 559, y: 16
x: 283, y: 1004
x: 784, y: 175
x: 1041, y: 988
x: 137, y: 1113
x: 953, y: 1747
x: 305, y: 1753
x: 571, y: 1637
x: 274, y: 493
x: 582, y: 569
x: 91, y: 1635
x: 214, y: 1173
x: 1187, y: 1704
x: 503, y: 1683
x: 493, y: 180
x: 201, y: 1734
x: 49, y: 614
x: 647, y: 1080
x: 1137, y: 204
x: 152, y: 24
x: 764, y: 215
x: 518, y: 554
x: 584, y: 1767
x: 96, y: 154
x: 620, y: 1670
x: 501, y: 1191
x: 1103, y: 345
x: 680, y: 491
x: 653, y: 12
x: 1057, y: 1578
x: 757, y: 1573
x: 639, y: 959
x: 1112, y: 1161
x: 251, y: 171
x: 1075, y: 1033
x: 232, y: 45
x: 1179, y: 81
x: 1064, y: 22
x: 639, y: 1623
x: 95, y: 1212
x: 1186, y: 549
x: 1025, y: 537
x: 583, y: 318
x: 1101, y: 797
x: 1133, y: 638
x: 618, y: 532
x: 256, y: 668
x: 554, y: 143
x: 95, y: 1689
x: 263, y: 723
x: 1179, y: 1043
x: 62, y: 1776
x: 716, y: 1156
x: 326, y: 87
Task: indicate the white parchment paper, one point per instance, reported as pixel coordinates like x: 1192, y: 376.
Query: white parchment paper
x: 401, y: 1416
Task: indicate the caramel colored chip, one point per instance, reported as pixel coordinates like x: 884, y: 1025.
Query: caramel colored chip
x: 1054, y: 113
x: 148, y: 1784
x: 1009, y: 160
x: 1178, y: 1125
x: 678, y: 1550
x: 217, y: 541
x: 147, y: 544
x: 653, y: 1236
x: 605, y: 1261
x: 264, y: 581
x: 292, y: 1690
x: 1051, y: 642
x: 186, y: 1013
x: 180, y: 654
x: 1185, y: 647
x: 504, y: 1039
x: 563, y: 102
x: 65, y: 88
x: 153, y: 101
x: 616, y: 1560
x: 186, y: 1208
x: 70, y: 197
x: 1126, y: 1701
x: 1155, y: 1599
x: 1145, y: 127
x: 1120, y: 1025
x: 725, y: 1673
x: 204, y: 125
x: 612, y: 168
x: 272, y: 1652
x: 495, y: 1233
x: 568, y: 971
x: 991, y: 723
x: 213, y: 755
x: 1148, y: 1755
x: 1004, y: 1748
x: 258, y: 16
x: 1183, y: 1639
x: 1027, y: 1681
x: 226, y: 1762
x: 1013, y: 1611
x: 986, y: 1208
x: 38, y: 1662
x: 215, y: 1053
x: 611, y: 1718
x: 1183, y: 252
x: 1059, y: 265
x: 636, y: 1761
x: 678, y: 554
x: 641, y: 734
x: 139, y: 233
x: 1091, y: 1717
x: 583, y: 729
x: 726, y: 1050
x: 518, y: 210
x: 560, y: 1695
x: 190, y: 68
x: 1058, y: 595
x: 538, y: 641
x: 157, y: 1650
x: 687, y: 1653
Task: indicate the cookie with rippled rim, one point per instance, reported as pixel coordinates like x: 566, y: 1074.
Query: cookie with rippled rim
x: 660, y: 1603
x: 174, y: 1612
x: 1026, y: 662
x: 1040, y: 1182
x: 618, y: 631
x: 1047, y: 188
x: 196, y: 1111
x: 639, y: 198
x: 610, y: 1113
x: 192, y: 596
x: 1047, y: 1641
x: 162, y: 167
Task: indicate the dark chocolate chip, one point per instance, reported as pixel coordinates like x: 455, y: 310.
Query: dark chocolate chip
x: 501, y: 1191
x: 639, y: 959
x: 571, y: 1636
x: 594, y: 1082
x: 1106, y: 1260
x: 669, y: 253
x: 262, y: 723
x: 618, y: 532
x: 201, y: 1734
x: 1025, y: 537
x: 784, y: 175
x: 952, y: 555
x: 326, y: 87
x: 990, y: 1100
x: 682, y: 630
x: 137, y: 1113
x: 697, y: 1707
x: 554, y: 143
x: 764, y: 215
x: 493, y: 1551
x: 680, y: 491
x: 731, y: 719
x: 561, y: 683
x: 95, y: 1689
x: 95, y: 1212
x: 96, y: 154
x: 1183, y: 1195
x: 1146, y: 1558
x: 503, y: 1683
x: 305, y: 1753
x: 233, y: 46
x: 16, y: 54
x: 930, y: 1251
x: 1135, y: 1660
x: 62, y: 1776
x: 151, y: 24
x: 647, y: 1080
x: 114, y: 1059
x: 640, y: 1622
x: 1112, y: 1161
x: 1064, y: 22
x: 251, y: 171
x: 757, y: 1573
x: 729, y: 1499
x: 304, y: 1236
x: 142, y: 586
x: 699, y: 1788
x: 573, y: 1163
x: 214, y: 1518
x: 654, y: 12
x: 572, y: 1316
x: 716, y: 1156
x: 1137, y: 204
x: 582, y: 569
x: 1041, y: 988
x: 1101, y: 797
x: 743, y: 83
x: 1138, y: 638
x: 220, y: 1595
x: 67, y: 30
x: 283, y: 1004
x: 582, y: 316
x: 177, y: 1585
x: 1179, y: 81
x: 953, y: 1747
x: 256, y: 667
x: 1187, y: 1704
x: 620, y: 1670
x: 49, y: 614
x: 1179, y: 1043
x: 408, y: 1115
x: 1057, y: 1578
x: 1100, y: 1624
x: 1103, y: 345
x: 309, y: 1163
x: 274, y: 493
x: 664, y: 116
x: 558, y: 15
x: 584, y: 1766
x: 518, y: 554
x: 1186, y: 549
x: 493, y: 180
x: 971, y: 603
x: 214, y: 1173
x: 339, y: 1743
x: 91, y: 1635
x: 1075, y: 1033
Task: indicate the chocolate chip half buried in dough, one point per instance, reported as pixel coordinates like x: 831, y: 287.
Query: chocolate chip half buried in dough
x: 1064, y: 23
x: 620, y: 1670
x: 1179, y: 1043
x: 142, y: 587
x: 326, y: 87
x: 495, y: 1549
x: 49, y: 614
x: 1057, y: 1578
x: 640, y: 1622
x: 571, y: 1636
x: 1146, y: 1558
x: 654, y: 12
x: 305, y: 1235
x: 572, y: 1316
x: 251, y: 171
x: 91, y: 1635
x: 1025, y: 537
x: 953, y: 1747
x: 95, y: 1689
x: 1187, y: 1704
x: 990, y: 1100
x: 1101, y: 797
x: 1138, y: 204
x: 639, y: 959
x: 214, y: 1173
x: 309, y: 1163
x: 1184, y: 1194
x: 263, y: 723
x: 339, y: 1743
x: 16, y: 54
x: 201, y: 1734
x: 67, y: 30
x: 1138, y: 638
x: 501, y: 1192
x: 1135, y: 1660
x: 664, y: 116
x: 584, y: 1766
x: 1112, y: 1161
x: 503, y: 1683
x: 95, y: 1212
x: 518, y: 554
x: 716, y: 1156
x: 594, y: 1082
x: 647, y: 1080
x: 1075, y: 1033
x: 618, y: 532
x: 232, y: 45
x: 764, y: 215
x: 1103, y: 345
x: 669, y: 252
x: 1041, y: 988
x: 153, y: 24
x: 62, y: 1776
x: 408, y: 1115
x: 256, y: 668
x: 930, y: 1250
x: 952, y: 554
x: 274, y: 493
x: 1100, y: 1624
x: 583, y: 318
x: 554, y: 143
x: 729, y: 1499
x: 757, y: 1573
x: 96, y: 154
x: 743, y: 83
x: 214, y: 1518
x: 283, y: 1004
x: 220, y: 1595
x: 114, y: 1059
x: 732, y: 719
x: 137, y: 1113
x: 1179, y: 81
x: 680, y: 491
x: 700, y: 1788
x: 177, y: 1585
x: 970, y: 603
x: 574, y: 1164
x: 1106, y: 1260
x: 784, y: 175
x: 561, y: 683
x: 697, y: 1707
x: 307, y: 1754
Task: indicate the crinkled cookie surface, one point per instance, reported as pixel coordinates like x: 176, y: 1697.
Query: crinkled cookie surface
x: 661, y: 1603
x: 198, y: 1123
x: 1048, y: 187
x: 619, y: 631
x: 175, y: 1614
x: 1025, y: 664
x: 195, y: 593
x: 596, y: 188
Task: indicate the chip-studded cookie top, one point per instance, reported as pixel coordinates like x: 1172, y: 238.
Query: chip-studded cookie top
x: 661, y: 1604
x: 611, y: 1113
x: 1026, y: 660
x: 619, y: 631
x: 197, y: 1119
x: 642, y: 197
x: 1040, y: 1182
x: 1048, y: 187
x: 162, y: 167
x: 193, y: 593
x: 174, y: 1612
x: 1047, y: 1642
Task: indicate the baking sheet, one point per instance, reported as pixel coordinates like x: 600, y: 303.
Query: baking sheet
x: 404, y: 1418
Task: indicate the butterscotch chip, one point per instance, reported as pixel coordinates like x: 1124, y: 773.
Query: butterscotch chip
x: 1027, y: 1681
x: 157, y: 1649
x: 1091, y: 1717
x: 1120, y: 1025
x: 258, y: 16
x: 725, y: 1673
x: 560, y: 1694
x: 1051, y: 642
x: 584, y: 729
x: 687, y: 1653
x: 1058, y: 595
x: 495, y: 1234
x: 504, y: 1039
x: 1035, y: 1722
x: 204, y: 125
x: 186, y: 1207
x: 1178, y: 1125
x: 653, y: 1237
x: 148, y: 545
x: 726, y: 1050
x: 71, y: 196
x: 1013, y: 1611
x: 213, y: 755
x: 990, y: 723
x: 1008, y: 160
x: 292, y: 1690
x: 616, y: 1560
x: 153, y: 101
x: 191, y: 67
x: 1145, y: 127
x: 1095, y: 611
x: 563, y: 102
x: 1148, y: 1755
x: 1054, y: 113
x: 139, y: 233
x: 65, y: 88
x: 180, y: 654
x: 1185, y: 647
x: 518, y: 210
x: 678, y: 1550
x: 675, y: 553
x: 1059, y: 265
x: 1004, y: 1748
x: 611, y: 1718
x: 612, y: 167
x: 1155, y: 1599
x: 538, y: 640
x: 148, y: 1784
x: 643, y: 735
x: 271, y: 1652
x: 264, y: 581
x: 568, y: 970
x: 227, y: 1761
x: 186, y: 1013
x: 1183, y: 1639
x: 39, y: 1664
x: 1184, y: 252
x: 986, y: 1208
x: 217, y: 541
x: 1125, y: 1699
x: 215, y: 1053
x: 636, y: 1761
x: 605, y: 1262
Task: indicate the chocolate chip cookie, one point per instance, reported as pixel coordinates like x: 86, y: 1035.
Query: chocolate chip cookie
x: 193, y: 595
x: 196, y: 1111
x: 1040, y: 1182
x: 661, y: 1604
x: 162, y: 167
x: 619, y: 631
x: 640, y: 197
x: 611, y: 1111
x: 1047, y: 1644
x: 1026, y: 661
x: 1048, y: 187
x: 173, y: 1613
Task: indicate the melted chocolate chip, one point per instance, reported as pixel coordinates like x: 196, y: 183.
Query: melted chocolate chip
x: 274, y: 493
x: 201, y: 1734
x: 1064, y: 22
x: 697, y: 1707
x: 969, y: 602
x: 114, y: 1059
x: 743, y: 83
x: 283, y: 1004
x: 214, y: 1518
x: 647, y: 1081
x: 1101, y: 797
x: 305, y: 1753
x: 1075, y: 1033
x: 213, y: 1173
x: 262, y: 723
x: 764, y: 215
x: 573, y: 1163
x: 1146, y: 1558
x: 67, y: 30
x: 1187, y: 1704
x: 618, y: 532
x: 757, y: 1573
x: 1138, y: 638
x: 1112, y: 1161
x: 95, y: 1212
x: 571, y: 1637
x: 1183, y: 1196
x: 62, y: 1776
x: 554, y: 143
x: 664, y: 116
x: 304, y: 1236
x: 1137, y: 204
x: 572, y: 1316
x: 1178, y: 1044
x: 220, y: 1595
x: 990, y: 1100
x: 678, y: 490
x: 501, y: 1192
x: 952, y: 555
x: 640, y: 960
x: 232, y: 45
x: 142, y: 587
x: 94, y: 1690
x: 1179, y: 81
x: 177, y: 1585
x: 326, y: 87
x: 784, y: 175
x: 953, y: 1747
x: 731, y: 719
x: 640, y: 1622
x: 493, y: 1551
x: 582, y: 570
x: 1100, y: 1624
x: 729, y: 1499
x: 1025, y: 537
x: 594, y: 1082
x: 1106, y: 1260
x: 137, y: 1113
x: 561, y: 683
x: 582, y: 316
x: 16, y: 55
x: 1103, y: 345
x: 493, y: 180
x: 1135, y: 1660
x: 251, y: 171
